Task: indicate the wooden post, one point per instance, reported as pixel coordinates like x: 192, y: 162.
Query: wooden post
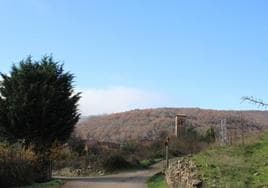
x: 176, y: 126
x: 86, y: 160
x: 243, y: 131
x: 50, y: 169
x: 166, y: 147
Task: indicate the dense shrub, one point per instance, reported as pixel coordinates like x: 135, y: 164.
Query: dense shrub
x: 129, y: 147
x: 156, y: 149
x: 115, y: 162
x: 77, y: 144
x: 210, y: 135
x: 65, y: 157
x: 16, y: 165
x: 131, y: 154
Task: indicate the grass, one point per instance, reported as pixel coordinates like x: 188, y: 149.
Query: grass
x: 148, y: 162
x: 144, y: 164
x: 56, y: 183
x: 157, y: 181
x: 235, y: 166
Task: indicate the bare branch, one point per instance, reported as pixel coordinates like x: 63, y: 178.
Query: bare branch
x: 253, y: 100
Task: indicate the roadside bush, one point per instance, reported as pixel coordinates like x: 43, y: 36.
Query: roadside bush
x: 210, y: 136
x: 77, y: 144
x: 129, y: 148
x: 66, y: 158
x: 176, y: 147
x: 156, y: 149
x: 115, y: 162
x: 16, y: 165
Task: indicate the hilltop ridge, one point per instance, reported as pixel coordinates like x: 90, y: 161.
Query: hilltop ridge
x: 149, y: 123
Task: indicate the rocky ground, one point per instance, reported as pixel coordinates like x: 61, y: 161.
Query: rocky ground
x: 183, y: 173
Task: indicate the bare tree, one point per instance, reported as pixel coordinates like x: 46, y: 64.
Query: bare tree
x: 256, y: 101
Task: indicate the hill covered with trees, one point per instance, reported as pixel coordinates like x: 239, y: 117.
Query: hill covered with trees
x: 149, y: 124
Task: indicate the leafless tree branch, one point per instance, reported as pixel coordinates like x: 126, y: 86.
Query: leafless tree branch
x: 253, y: 100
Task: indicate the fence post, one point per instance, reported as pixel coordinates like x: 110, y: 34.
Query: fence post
x: 166, y: 147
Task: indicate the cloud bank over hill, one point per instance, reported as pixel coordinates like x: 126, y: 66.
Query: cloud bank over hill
x: 117, y: 99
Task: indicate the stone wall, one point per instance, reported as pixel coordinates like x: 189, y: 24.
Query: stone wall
x: 183, y: 173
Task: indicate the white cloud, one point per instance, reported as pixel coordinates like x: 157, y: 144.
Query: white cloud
x: 117, y: 99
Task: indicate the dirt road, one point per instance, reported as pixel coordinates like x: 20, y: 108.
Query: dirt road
x: 135, y: 179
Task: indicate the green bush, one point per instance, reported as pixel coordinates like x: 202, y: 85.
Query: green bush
x: 129, y: 148
x: 210, y: 135
x: 16, y: 165
x: 115, y: 162
x: 77, y: 144
x: 157, y: 181
x: 68, y: 158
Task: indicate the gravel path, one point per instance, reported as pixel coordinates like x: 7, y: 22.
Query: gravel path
x: 135, y: 179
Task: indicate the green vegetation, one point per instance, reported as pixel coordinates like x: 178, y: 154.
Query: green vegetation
x: 235, y: 166
x: 210, y: 135
x: 38, y: 103
x: 115, y: 161
x: 148, y: 162
x: 76, y: 144
x: 108, y: 157
x: 157, y: 181
x: 38, y: 108
x: 50, y: 184
x: 16, y: 165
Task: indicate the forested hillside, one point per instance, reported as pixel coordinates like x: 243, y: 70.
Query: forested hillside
x: 148, y: 124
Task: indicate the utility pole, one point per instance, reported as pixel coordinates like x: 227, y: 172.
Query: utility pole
x: 223, y: 132
x: 166, y: 146
x: 242, y: 128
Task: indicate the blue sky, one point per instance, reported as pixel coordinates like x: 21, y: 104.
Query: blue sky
x: 139, y: 54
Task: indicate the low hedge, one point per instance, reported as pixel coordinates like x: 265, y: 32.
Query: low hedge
x: 16, y: 165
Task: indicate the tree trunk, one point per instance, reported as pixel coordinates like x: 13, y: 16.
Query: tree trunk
x: 43, y: 169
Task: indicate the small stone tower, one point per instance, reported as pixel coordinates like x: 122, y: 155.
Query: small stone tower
x: 179, y: 124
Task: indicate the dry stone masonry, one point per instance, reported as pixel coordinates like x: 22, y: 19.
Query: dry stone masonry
x: 183, y: 173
